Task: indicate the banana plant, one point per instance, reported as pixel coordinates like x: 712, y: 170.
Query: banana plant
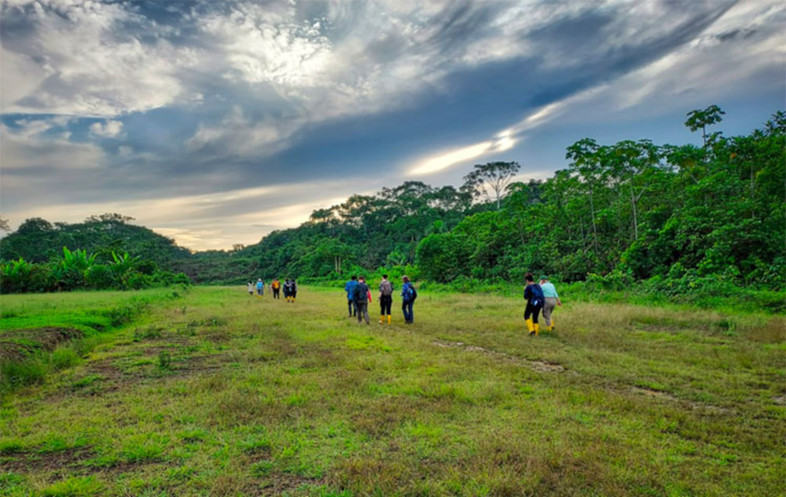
x: 74, y: 267
x: 122, y: 265
x: 15, y: 275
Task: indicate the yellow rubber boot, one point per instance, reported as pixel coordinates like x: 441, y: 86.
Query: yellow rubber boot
x: 389, y: 318
x: 530, y: 327
x: 551, y: 328
x: 537, y: 328
x: 381, y: 319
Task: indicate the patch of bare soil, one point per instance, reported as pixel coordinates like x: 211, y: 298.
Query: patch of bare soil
x: 653, y: 393
x: 698, y: 406
x: 539, y: 366
x: 26, y: 462
x: 281, y: 483
x: 47, y: 338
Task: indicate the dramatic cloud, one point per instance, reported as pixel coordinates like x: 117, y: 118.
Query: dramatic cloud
x: 169, y: 111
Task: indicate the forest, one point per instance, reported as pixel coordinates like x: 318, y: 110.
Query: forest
x: 675, y: 218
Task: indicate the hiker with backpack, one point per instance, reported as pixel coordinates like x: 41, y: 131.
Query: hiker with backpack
x: 290, y: 290
x: 276, y: 287
x: 385, y: 299
x: 550, y: 301
x: 260, y: 287
x: 250, y: 288
x: 362, y: 296
x: 408, y: 296
x: 534, y: 295
x: 350, y: 289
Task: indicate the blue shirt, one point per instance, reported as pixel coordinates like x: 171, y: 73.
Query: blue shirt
x: 549, y: 291
x: 406, y: 292
x: 350, y: 289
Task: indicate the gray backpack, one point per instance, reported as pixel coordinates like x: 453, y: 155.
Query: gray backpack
x: 386, y: 288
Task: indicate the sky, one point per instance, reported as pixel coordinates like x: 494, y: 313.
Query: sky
x: 214, y: 122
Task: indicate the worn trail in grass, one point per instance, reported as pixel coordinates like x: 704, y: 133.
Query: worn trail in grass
x: 219, y: 393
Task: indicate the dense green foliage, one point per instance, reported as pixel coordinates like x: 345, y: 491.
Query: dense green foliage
x: 37, y: 258
x: 682, y: 218
x: 78, y: 270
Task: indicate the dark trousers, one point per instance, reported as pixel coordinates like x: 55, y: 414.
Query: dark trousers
x: 276, y: 293
x: 532, y: 310
x: 385, y: 302
x: 362, y: 311
x: 353, y: 309
x: 409, y: 315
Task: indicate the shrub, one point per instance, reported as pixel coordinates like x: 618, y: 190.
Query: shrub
x: 100, y: 277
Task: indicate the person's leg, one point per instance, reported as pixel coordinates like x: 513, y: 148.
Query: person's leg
x: 349, y: 307
x: 384, y: 307
x: 412, y: 312
x: 359, y: 311
x: 388, y: 305
x: 365, y: 313
x: 547, y: 308
x: 528, y: 319
x: 535, y: 313
x: 404, y: 310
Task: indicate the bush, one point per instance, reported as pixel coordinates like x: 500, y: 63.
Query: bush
x: 64, y: 358
x: 100, y: 277
x: 137, y: 281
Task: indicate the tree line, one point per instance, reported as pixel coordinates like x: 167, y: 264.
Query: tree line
x: 108, y: 253
x: 675, y: 217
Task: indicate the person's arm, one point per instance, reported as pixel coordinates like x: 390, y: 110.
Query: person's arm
x: 369, y: 295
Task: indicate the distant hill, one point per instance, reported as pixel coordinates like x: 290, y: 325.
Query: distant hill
x: 38, y: 240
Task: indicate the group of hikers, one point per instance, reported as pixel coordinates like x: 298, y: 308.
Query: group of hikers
x: 541, y: 296
x: 289, y: 286
x: 359, y: 296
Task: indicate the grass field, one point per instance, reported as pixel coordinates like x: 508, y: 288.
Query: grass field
x: 217, y: 393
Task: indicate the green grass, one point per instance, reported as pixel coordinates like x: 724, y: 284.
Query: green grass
x: 219, y: 393
x: 42, y: 334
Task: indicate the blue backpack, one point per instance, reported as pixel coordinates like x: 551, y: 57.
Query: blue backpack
x: 537, y: 295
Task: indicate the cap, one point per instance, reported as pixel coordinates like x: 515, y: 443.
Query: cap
x: 544, y: 277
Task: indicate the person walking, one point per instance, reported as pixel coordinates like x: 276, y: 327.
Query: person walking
x: 385, y: 299
x: 408, y: 296
x: 350, y: 289
x: 534, y: 295
x: 288, y: 290
x: 260, y: 287
x: 362, y: 296
x: 250, y: 288
x: 550, y: 301
x: 293, y: 291
x: 276, y: 287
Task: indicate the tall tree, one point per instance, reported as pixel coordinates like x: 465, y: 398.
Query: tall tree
x: 700, y: 119
x: 493, y: 176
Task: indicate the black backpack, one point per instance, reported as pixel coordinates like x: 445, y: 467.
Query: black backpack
x: 360, y: 293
